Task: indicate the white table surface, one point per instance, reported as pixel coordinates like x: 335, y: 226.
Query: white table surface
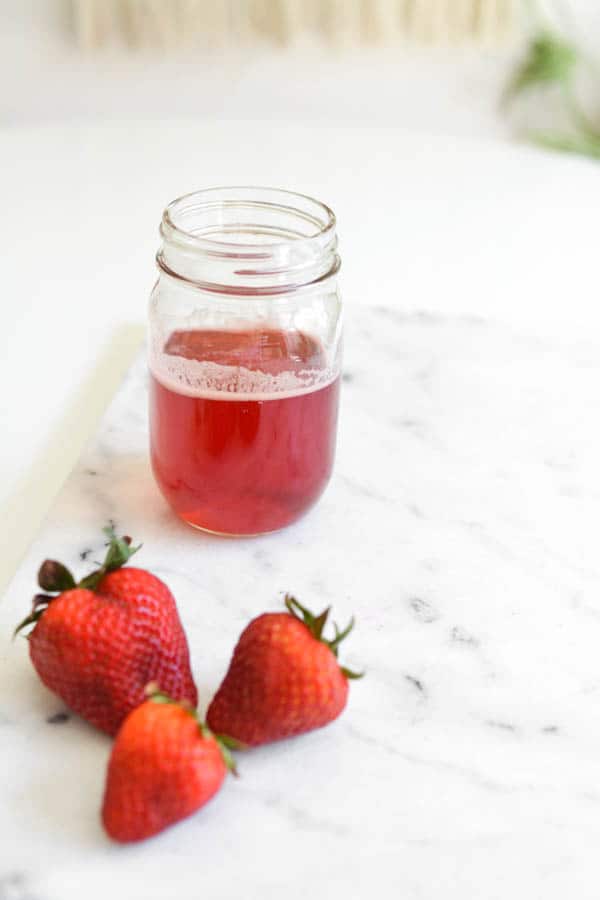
x: 426, y: 223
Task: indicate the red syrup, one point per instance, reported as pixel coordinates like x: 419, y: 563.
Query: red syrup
x: 240, y: 444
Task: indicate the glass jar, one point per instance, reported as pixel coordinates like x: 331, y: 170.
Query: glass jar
x: 245, y: 355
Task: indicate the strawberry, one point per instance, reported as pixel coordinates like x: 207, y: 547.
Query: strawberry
x: 164, y: 765
x: 283, y: 679
x: 98, y: 643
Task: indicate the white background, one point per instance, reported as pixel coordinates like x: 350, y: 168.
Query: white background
x: 435, y: 204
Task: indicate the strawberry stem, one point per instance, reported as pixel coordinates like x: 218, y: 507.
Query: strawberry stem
x: 316, y: 624
x: 118, y: 554
x: 54, y: 578
x: 225, y: 753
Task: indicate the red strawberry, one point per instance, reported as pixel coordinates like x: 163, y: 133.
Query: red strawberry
x: 283, y: 679
x: 164, y: 766
x: 98, y: 643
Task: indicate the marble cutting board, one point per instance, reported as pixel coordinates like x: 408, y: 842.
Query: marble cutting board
x: 461, y: 530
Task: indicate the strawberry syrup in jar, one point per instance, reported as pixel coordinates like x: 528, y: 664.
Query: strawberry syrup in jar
x: 245, y: 460
x: 245, y: 352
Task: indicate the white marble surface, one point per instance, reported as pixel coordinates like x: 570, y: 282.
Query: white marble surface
x: 461, y: 529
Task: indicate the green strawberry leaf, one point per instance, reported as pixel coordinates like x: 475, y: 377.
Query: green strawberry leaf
x: 231, y: 743
x: 316, y: 624
x: 225, y: 743
x: 340, y: 635
x: 353, y: 676
x: 54, y: 578
x: 31, y: 619
x: 118, y: 554
x: 226, y: 753
x: 119, y: 551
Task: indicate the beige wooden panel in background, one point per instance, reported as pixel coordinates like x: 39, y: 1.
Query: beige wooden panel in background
x: 341, y: 22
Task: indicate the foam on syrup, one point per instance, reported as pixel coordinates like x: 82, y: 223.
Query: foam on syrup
x: 228, y: 365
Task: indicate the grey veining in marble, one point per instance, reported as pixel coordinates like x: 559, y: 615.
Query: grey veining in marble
x: 461, y: 528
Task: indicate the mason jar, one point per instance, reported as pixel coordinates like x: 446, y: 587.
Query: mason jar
x: 244, y: 354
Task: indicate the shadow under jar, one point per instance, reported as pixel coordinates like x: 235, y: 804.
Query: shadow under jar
x: 245, y: 355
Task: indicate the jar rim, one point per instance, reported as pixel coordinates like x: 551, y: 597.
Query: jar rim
x: 307, y: 208
x: 248, y: 240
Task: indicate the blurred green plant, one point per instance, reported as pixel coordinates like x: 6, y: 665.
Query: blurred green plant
x: 552, y: 60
